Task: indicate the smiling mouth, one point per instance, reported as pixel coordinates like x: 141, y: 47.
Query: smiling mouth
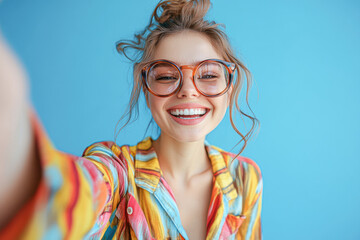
x: 188, y: 113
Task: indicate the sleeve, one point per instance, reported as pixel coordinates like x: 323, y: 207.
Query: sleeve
x: 250, y: 229
x: 76, y: 195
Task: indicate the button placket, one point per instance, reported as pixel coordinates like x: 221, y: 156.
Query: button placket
x: 137, y: 219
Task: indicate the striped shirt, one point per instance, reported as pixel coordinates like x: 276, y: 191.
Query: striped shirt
x: 114, y: 192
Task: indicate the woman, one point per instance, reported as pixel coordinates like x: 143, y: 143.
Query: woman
x: 175, y: 187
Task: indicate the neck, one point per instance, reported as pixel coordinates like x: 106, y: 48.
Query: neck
x: 181, y: 160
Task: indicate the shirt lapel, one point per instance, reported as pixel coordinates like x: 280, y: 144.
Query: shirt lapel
x: 221, y: 172
x: 223, y: 193
x: 147, y: 168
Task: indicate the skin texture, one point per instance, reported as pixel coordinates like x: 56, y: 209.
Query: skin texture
x: 180, y: 148
x: 20, y: 168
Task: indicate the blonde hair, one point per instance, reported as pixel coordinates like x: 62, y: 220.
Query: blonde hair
x: 173, y: 16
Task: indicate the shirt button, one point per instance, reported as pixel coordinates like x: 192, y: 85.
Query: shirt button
x: 129, y: 210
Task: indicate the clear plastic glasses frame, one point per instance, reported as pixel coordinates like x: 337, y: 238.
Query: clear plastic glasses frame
x: 230, y: 67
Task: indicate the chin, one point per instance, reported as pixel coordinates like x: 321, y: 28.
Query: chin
x: 188, y: 136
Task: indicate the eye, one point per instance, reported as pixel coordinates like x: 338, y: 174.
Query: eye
x: 165, y: 79
x: 208, y: 76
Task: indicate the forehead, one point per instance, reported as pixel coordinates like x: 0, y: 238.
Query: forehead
x: 185, y: 48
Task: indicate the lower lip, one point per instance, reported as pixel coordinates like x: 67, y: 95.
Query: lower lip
x: 189, y: 121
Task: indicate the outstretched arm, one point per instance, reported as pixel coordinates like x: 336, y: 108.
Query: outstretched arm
x: 20, y: 167
x: 44, y: 191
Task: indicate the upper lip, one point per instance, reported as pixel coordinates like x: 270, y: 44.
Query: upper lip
x: 187, y: 106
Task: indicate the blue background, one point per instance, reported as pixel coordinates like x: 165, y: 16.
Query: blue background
x: 305, y: 59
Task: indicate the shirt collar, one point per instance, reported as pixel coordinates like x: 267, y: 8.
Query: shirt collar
x: 220, y: 170
x: 147, y: 168
x: 148, y: 172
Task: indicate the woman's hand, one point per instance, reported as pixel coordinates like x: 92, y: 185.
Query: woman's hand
x: 20, y: 168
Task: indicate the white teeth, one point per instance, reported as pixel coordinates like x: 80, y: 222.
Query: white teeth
x: 187, y: 112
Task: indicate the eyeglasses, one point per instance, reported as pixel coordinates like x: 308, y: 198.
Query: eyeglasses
x: 211, y: 77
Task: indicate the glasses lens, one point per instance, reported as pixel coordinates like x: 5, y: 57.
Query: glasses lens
x: 212, y: 78
x: 163, y: 78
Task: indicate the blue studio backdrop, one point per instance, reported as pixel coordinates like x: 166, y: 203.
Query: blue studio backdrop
x: 305, y: 60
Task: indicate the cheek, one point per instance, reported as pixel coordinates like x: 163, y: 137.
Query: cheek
x: 221, y: 106
x: 156, y: 105
x: 224, y: 101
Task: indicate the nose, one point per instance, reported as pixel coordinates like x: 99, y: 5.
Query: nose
x: 188, y: 89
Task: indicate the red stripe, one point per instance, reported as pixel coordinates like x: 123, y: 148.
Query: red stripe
x: 148, y: 171
x: 214, y: 204
x: 220, y: 171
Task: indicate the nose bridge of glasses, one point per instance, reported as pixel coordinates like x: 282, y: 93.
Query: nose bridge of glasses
x: 189, y: 67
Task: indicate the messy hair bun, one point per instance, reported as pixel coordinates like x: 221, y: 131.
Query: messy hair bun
x: 168, y: 17
x: 185, y: 12
x: 173, y: 16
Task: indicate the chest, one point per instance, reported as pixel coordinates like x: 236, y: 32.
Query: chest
x: 193, y: 204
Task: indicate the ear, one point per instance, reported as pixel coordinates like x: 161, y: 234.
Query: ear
x: 229, y: 92
x: 146, y: 94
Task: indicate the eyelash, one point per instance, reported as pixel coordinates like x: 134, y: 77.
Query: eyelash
x: 166, y: 78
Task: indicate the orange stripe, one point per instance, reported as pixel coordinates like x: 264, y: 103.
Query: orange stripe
x: 74, y: 195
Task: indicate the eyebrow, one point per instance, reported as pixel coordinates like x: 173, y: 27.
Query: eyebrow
x: 177, y: 63
x: 193, y: 63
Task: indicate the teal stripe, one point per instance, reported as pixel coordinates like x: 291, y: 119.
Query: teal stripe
x: 146, y: 157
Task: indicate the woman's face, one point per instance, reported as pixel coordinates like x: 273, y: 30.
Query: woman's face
x: 187, y: 48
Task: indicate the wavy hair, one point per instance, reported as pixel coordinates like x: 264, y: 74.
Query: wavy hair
x: 173, y: 16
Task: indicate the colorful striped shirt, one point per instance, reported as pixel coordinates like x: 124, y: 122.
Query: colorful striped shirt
x: 114, y: 192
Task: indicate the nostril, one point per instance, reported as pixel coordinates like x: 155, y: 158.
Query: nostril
x: 187, y: 92
x: 188, y: 87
